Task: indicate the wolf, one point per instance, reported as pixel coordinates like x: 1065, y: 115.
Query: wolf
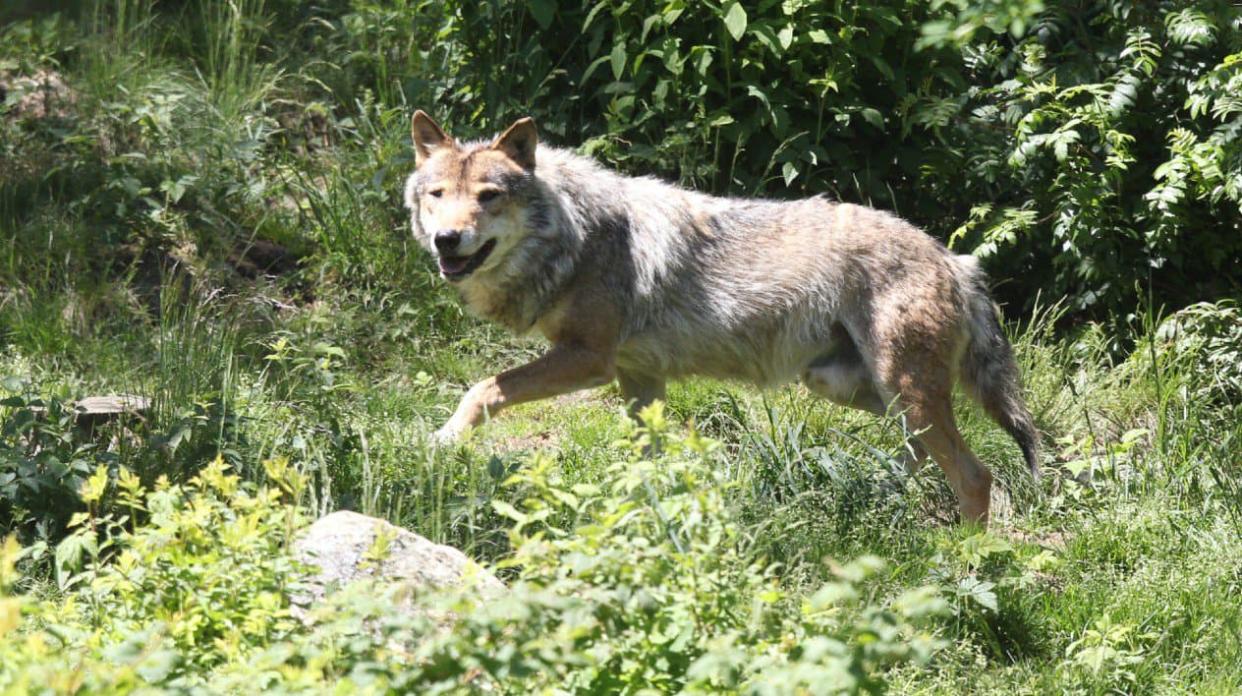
x: 636, y: 280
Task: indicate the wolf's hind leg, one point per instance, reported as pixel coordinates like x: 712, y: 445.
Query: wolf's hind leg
x: 639, y: 390
x: 925, y: 397
x: 969, y: 477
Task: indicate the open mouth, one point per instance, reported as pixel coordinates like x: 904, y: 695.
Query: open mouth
x: 458, y: 267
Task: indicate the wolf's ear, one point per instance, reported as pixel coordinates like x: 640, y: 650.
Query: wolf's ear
x: 428, y: 135
x: 519, y: 142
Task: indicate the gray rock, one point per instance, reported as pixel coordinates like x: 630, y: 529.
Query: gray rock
x: 112, y: 404
x: 344, y: 546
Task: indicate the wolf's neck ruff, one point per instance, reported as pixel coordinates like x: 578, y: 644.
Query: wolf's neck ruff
x: 536, y: 270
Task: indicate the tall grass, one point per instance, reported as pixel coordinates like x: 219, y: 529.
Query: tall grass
x: 237, y: 76
x: 126, y: 23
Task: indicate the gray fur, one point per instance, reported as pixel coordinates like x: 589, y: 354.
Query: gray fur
x: 761, y: 291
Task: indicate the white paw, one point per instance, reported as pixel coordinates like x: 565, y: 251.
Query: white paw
x: 448, y: 435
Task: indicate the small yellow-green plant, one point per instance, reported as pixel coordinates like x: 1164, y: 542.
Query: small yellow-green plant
x: 641, y: 583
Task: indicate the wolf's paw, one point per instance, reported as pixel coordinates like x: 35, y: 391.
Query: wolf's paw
x: 449, y: 435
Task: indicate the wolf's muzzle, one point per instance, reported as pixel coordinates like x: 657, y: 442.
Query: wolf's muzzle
x: 455, y: 268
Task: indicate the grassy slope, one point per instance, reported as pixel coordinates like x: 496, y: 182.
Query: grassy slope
x: 348, y: 363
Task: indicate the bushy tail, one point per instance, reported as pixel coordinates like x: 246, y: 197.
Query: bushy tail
x: 988, y: 368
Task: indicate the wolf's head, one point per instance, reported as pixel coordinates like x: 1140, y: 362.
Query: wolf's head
x: 468, y: 202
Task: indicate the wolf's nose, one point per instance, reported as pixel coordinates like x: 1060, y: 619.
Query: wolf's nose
x: 447, y: 240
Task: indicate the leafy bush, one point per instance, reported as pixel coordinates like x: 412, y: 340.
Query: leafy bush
x: 204, y: 581
x: 639, y: 583
x: 1095, y: 153
x: 49, y: 448
x: 1118, y: 161
x: 989, y: 585
x: 44, y: 460
x: 1089, y: 149
x: 1208, y: 336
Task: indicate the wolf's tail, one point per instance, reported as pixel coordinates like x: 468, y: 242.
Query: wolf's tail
x: 988, y: 370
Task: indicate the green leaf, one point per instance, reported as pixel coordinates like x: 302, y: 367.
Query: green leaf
x: 766, y: 36
x: 586, y: 490
x: 873, y: 117
x: 882, y: 65
x: 735, y: 20
x: 1077, y: 466
x: 586, y: 23
x: 978, y: 547
x: 586, y: 74
x: 785, y: 36
x: 673, y: 10
x: 618, y: 60
x: 328, y: 349
x: 978, y: 591
x: 176, y: 189
x: 506, y: 510
x: 543, y: 11
x: 1061, y: 142
x: 790, y: 171
x: 760, y: 95
x: 703, y: 60
x: 495, y: 467
x: 95, y: 486
x: 70, y: 553
x: 182, y: 431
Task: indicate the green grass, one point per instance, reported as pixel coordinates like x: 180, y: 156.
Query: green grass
x: 1126, y: 583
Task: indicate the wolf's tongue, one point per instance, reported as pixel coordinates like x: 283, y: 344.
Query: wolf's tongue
x: 454, y: 264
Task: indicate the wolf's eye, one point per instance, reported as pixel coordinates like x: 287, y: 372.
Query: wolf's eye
x: 436, y: 193
x: 488, y: 195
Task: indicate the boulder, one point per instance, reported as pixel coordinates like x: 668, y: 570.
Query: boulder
x: 93, y: 411
x: 348, y: 546
x: 112, y: 404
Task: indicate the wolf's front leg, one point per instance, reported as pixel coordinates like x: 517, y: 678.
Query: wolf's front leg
x: 563, y: 369
x: 639, y: 390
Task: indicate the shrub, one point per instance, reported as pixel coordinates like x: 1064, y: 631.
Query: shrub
x: 202, y: 583
x: 1208, y: 336
x: 44, y: 460
x: 642, y: 582
x: 1086, y: 149
x: 1082, y: 149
